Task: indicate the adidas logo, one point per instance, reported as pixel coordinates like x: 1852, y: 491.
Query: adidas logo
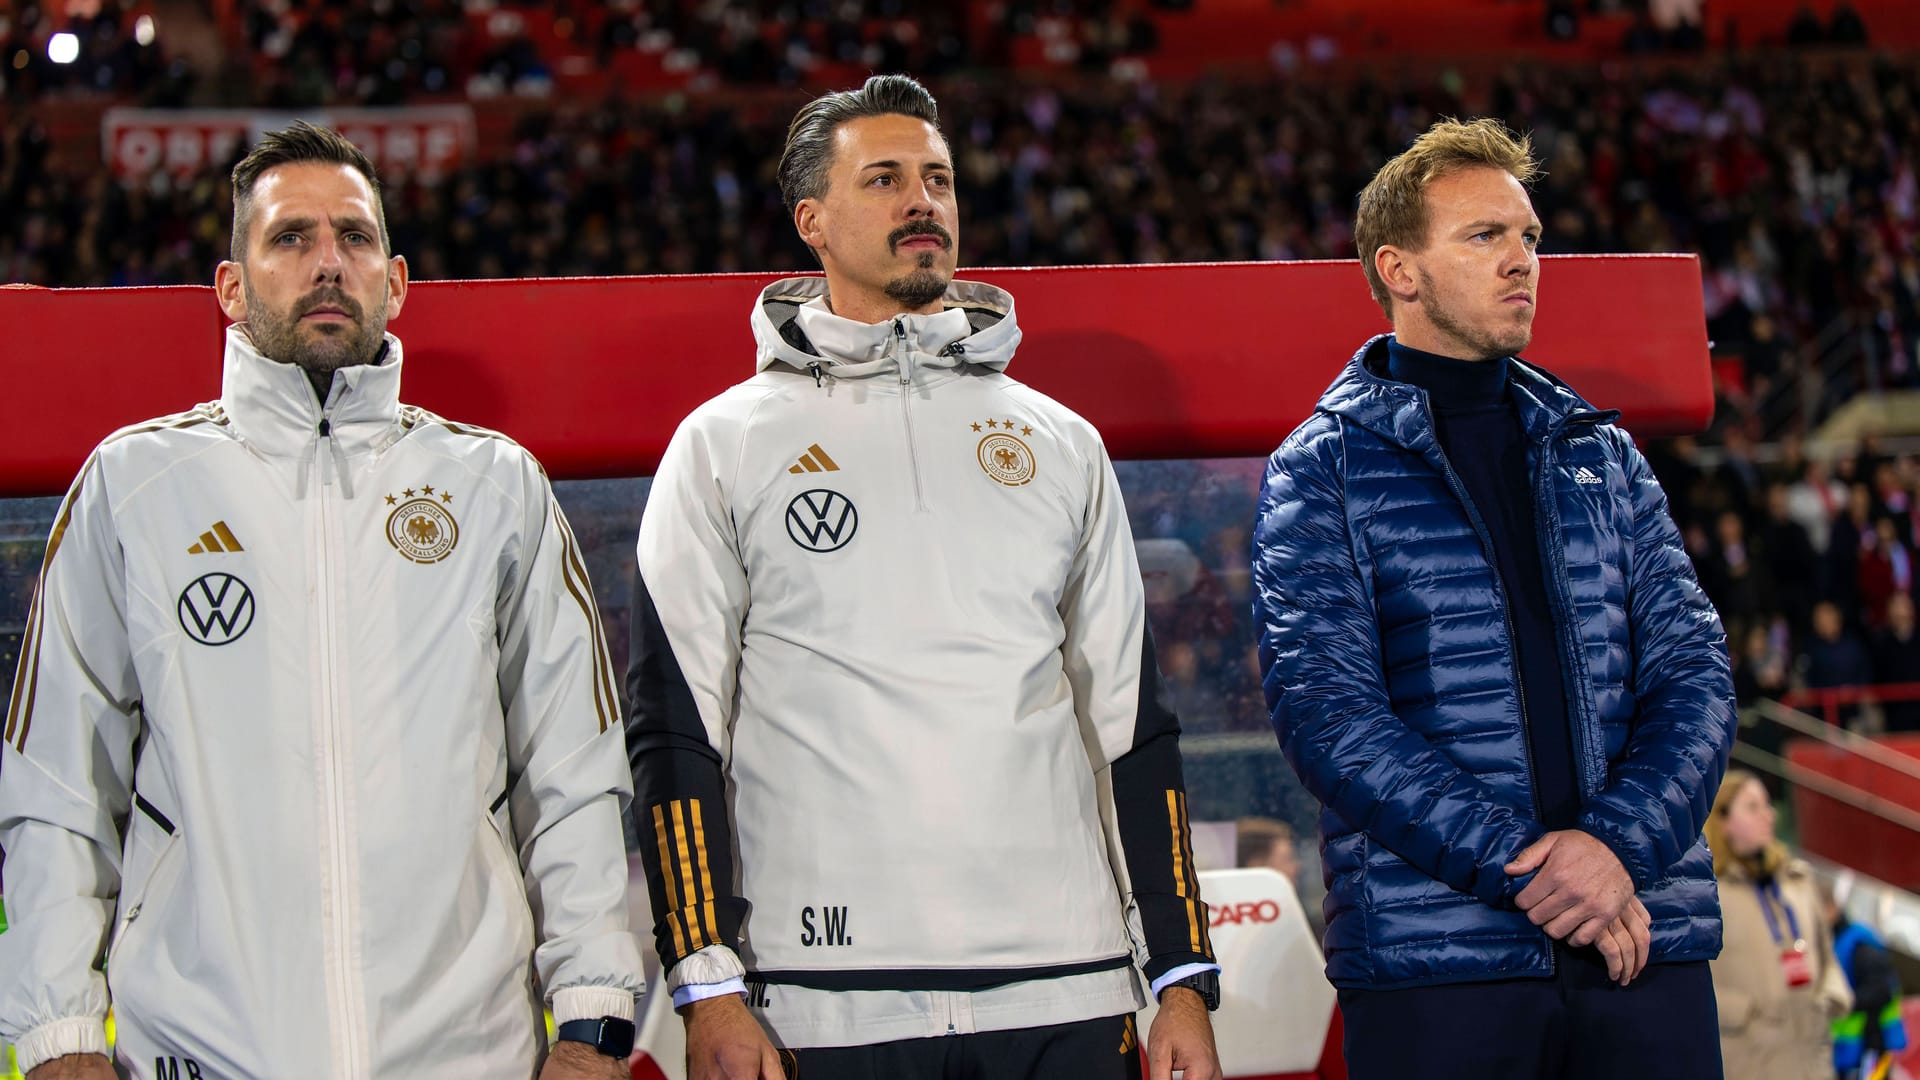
x: 814, y: 460
x: 1584, y: 475
x: 217, y: 539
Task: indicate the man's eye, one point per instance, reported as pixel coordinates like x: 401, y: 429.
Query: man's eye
x: 884, y: 180
x: 287, y: 239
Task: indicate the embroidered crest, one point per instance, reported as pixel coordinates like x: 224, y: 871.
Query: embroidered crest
x: 1004, y: 456
x: 422, y: 528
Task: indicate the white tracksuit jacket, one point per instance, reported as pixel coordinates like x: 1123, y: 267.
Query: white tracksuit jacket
x: 892, y: 687
x: 314, y: 734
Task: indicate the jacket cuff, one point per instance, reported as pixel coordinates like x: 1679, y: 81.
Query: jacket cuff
x: 1157, y: 967
x: 591, y: 1003
x: 74, y: 1035
x: 1595, y: 825
x: 713, y: 964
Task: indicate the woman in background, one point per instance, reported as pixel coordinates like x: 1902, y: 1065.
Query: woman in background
x: 1778, y: 986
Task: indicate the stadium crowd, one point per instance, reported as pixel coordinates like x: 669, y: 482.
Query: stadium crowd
x: 1793, y: 177
x: 1795, y: 181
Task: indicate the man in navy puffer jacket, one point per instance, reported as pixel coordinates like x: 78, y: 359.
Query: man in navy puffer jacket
x: 1487, y: 656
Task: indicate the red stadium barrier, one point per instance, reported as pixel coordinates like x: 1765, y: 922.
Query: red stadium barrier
x: 592, y: 375
x: 1853, y: 836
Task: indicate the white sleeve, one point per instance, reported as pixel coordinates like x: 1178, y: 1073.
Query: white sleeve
x: 66, y: 783
x: 568, y: 783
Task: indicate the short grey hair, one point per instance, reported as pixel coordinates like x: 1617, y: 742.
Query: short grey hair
x: 808, y: 156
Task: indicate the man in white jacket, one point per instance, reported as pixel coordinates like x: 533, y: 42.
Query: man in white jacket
x: 314, y: 736
x: 892, y: 686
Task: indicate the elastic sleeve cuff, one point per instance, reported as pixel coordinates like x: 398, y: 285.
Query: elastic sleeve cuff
x: 713, y: 964
x: 74, y: 1035
x: 1179, y: 973
x: 686, y: 995
x: 591, y: 1003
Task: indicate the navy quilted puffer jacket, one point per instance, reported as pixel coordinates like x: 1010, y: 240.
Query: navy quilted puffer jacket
x: 1390, y: 675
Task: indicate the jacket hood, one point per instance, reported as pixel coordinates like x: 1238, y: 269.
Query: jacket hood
x: 793, y: 326
x: 1363, y: 394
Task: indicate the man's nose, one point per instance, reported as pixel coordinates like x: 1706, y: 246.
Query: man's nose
x: 329, y: 262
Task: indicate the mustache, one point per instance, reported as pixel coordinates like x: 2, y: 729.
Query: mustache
x: 328, y: 296
x: 919, y: 228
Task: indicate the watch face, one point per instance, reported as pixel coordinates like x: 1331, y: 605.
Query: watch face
x: 616, y: 1037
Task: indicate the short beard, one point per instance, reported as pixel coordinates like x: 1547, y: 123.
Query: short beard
x: 1486, y: 346
x: 277, y: 334
x: 919, y: 288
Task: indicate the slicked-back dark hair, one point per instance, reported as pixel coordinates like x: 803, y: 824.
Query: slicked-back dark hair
x: 299, y: 143
x: 808, y: 156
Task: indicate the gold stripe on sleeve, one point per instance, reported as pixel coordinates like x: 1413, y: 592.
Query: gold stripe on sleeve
x: 667, y: 872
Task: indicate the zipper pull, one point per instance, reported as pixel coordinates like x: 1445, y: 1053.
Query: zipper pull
x: 326, y: 428
x: 900, y: 351
x: 815, y: 368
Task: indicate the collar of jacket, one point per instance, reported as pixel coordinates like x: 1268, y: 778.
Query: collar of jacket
x: 977, y: 327
x: 1397, y: 411
x: 273, y: 408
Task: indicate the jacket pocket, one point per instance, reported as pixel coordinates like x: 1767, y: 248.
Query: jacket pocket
x: 138, y: 893
x: 508, y: 877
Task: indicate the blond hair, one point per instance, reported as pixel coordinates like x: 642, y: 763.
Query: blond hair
x: 1761, y: 866
x: 1393, y: 205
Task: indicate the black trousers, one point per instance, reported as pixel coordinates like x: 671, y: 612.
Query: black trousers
x: 1574, y: 1026
x: 1104, y: 1049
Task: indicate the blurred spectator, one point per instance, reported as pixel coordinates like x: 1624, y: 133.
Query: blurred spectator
x: 1733, y: 577
x: 1850, y: 536
x: 1815, y: 501
x: 1896, y: 659
x: 1788, y: 555
x: 1886, y: 570
x: 1776, y: 979
x: 1835, y: 657
x: 1874, y: 1028
x: 1806, y: 29
x: 1845, y: 27
x: 1266, y: 843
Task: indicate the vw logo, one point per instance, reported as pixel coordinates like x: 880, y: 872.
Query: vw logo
x: 822, y: 520
x: 216, y: 609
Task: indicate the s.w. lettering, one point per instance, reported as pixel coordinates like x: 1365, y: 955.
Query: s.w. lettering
x: 831, y: 928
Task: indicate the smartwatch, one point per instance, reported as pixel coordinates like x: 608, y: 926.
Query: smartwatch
x: 1205, y: 983
x: 608, y: 1035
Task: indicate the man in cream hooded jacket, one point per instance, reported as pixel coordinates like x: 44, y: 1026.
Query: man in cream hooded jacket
x: 314, y: 732
x: 892, y: 685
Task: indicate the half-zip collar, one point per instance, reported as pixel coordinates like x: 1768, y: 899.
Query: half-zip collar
x: 793, y: 326
x: 273, y: 410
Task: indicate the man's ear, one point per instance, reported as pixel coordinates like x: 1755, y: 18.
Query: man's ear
x: 396, y: 285
x: 807, y: 222
x: 1397, y: 273
x: 231, y: 291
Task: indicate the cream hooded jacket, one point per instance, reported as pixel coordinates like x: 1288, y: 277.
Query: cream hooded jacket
x: 899, y: 755
x: 314, y: 736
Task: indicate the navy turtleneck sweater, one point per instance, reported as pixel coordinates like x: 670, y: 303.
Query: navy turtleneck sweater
x: 1479, y: 431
